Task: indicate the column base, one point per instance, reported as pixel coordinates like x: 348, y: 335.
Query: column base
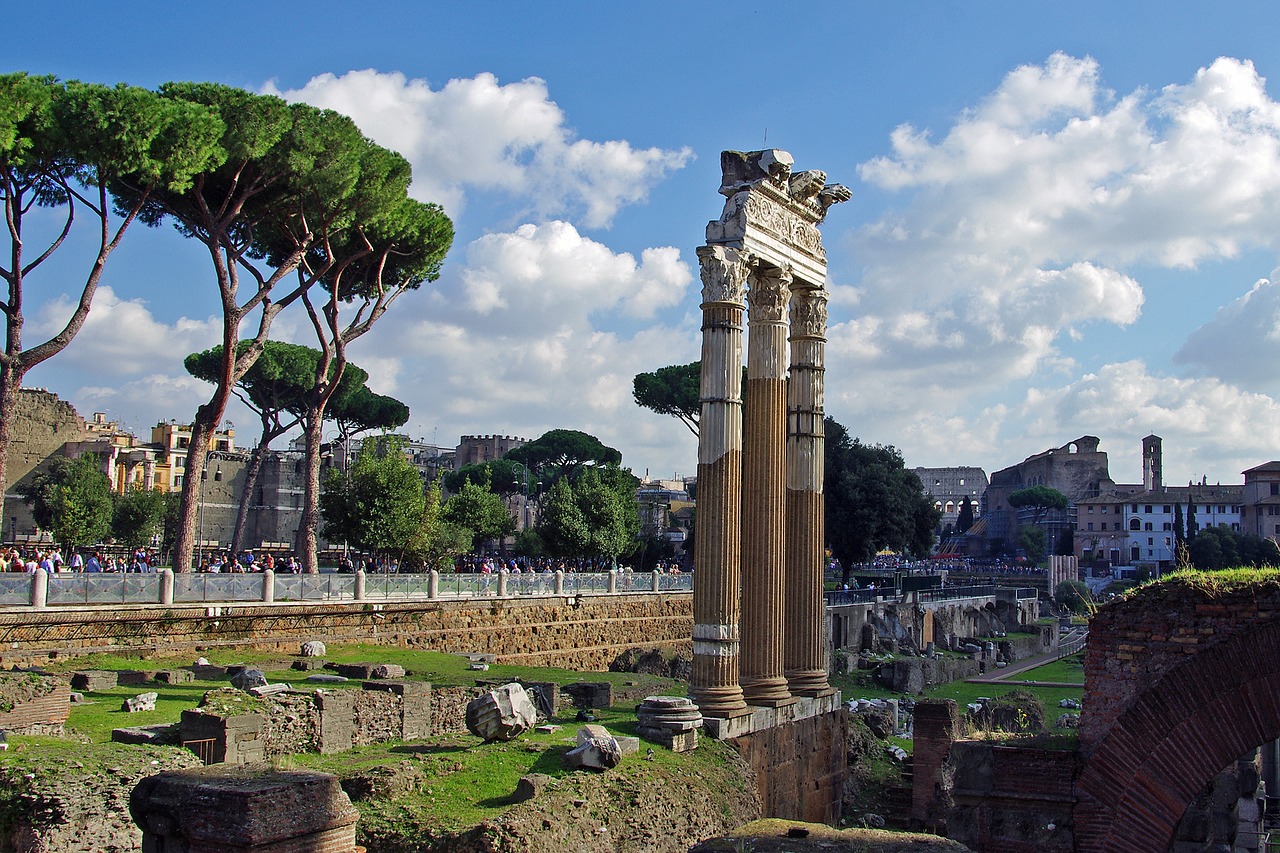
x: 767, y: 692
x: 808, y: 682
x: 720, y: 703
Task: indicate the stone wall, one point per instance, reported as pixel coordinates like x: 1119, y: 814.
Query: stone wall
x: 800, y: 767
x: 578, y: 632
x: 324, y: 720
x: 42, y: 425
x: 1181, y: 679
x: 1007, y: 799
x: 36, y: 704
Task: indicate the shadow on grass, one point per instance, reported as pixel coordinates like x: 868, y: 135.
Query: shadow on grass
x: 550, y: 762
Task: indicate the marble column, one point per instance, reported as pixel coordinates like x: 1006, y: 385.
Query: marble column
x: 804, y: 655
x: 764, y: 489
x: 717, y: 546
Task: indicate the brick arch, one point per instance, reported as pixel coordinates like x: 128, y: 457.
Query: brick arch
x: 1174, y: 737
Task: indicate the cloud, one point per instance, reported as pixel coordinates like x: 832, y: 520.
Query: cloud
x: 1241, y: 344
x: 477, y: 134
x: 1028, y: 220
x: 1222, y: 428
x: 122, y: 336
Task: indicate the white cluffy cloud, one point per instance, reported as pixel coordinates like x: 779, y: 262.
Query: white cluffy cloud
x: 539, y: 330
x: 479, y: 134
x: 1241, y: 343
x: 1030, y: 218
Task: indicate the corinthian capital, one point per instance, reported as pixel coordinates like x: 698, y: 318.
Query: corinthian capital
x: 769, y: 294
x: 809, y: 314
x: 724, y: 274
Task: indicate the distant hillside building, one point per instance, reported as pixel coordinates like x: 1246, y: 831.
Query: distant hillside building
x: 1077, y: 469
x: 948, y: 487
x: 474, y: 449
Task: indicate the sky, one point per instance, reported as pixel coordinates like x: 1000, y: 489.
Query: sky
x: 1065, y: 217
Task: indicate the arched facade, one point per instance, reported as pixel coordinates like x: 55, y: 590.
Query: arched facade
x: 1181, y: 681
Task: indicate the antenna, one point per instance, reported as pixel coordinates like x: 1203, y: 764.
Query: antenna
x: 766, y: 137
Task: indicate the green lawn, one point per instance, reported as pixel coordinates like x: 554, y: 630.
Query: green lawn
x: 103, y: 711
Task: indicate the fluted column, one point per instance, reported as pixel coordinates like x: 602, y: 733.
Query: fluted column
x: 764, y: 489
x: 805, y: 658
x: 717, y: 546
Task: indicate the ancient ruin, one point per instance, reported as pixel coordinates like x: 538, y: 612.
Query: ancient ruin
x: 759, y: 550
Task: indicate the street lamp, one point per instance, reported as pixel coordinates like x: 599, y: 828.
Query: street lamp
x: 524, y: 484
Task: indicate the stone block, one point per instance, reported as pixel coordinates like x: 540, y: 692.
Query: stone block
x: 135, y: 677
x: 337, y: 720
x: 161, y: 734
x: 359, y: 671
x: 307, y: 664
x: 141, y: 702
x: 595, y: 753
x: 501, y: 714
x: 95, y: 680
x: 206, y: 810
x: 387, y: 670
x: 590, y: 694
x: 415, y: 705
x: 325, y: 678
x: 269, y: 689
x: 312, y: 649
x: 175, y: 676
x: 673, y: 740
x: 234, y: 740
x: 209, y: 672
x: 247, y: 679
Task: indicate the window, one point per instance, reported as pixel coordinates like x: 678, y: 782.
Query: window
x: 1275, y: 488
x: 177, y: 481
x: 1104, y: 510
x: 1090, y: 509
x: 1146, y: 509
x: 1166, y: 509
x: 1133, y: 507
x: 1148, y: 526
x: 1167, y: 526
x: 1134, y: 524
x: 962, y: 481
x: 1104, y: 525
x: 1090, y: 527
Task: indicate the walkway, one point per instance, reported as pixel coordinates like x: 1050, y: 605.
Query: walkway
x: 1073, y: 640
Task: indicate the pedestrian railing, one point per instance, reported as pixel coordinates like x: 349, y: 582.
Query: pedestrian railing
x: 41, y: 589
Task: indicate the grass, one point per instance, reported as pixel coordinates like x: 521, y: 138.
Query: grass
x: 103, y: 712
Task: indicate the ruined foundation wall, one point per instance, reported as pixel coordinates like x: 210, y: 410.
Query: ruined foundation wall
x: 583, y: 632
x: 800, y: 767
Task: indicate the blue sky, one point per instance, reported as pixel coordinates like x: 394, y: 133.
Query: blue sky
x: 1065, y: 221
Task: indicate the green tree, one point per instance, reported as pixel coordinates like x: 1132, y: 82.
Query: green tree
x: 364, y: 410
x: 561, y: 453
x: 1074, y: 595
x: 673, y: 390
x: 275, y: 388
x: 1192, y: 526
x: 366, y: 265
x: 379, y: 506
x: 292, y: 175
x: 476, y: 508
x: 1032, y: 541
x: 872, y: 501
x: 1041, y: 499
x: 64, y: 147
x: 504, y: 476
x: 1181, y: 558
x: 71, y: 498
x: 562, y: 527
x: 437, y: 542
x: 138, y: 516
x: 607, y: 497
x: 965, y: 519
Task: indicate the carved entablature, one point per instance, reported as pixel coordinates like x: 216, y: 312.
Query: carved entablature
x: 809, y: 314
x: 768, y: 296
x: 774, y: 213
x: 724, y: 274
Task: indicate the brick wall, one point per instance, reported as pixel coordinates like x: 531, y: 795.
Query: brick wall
x: 41, y: 714
x: 586, y: 632
x: 1179, y: 683
x: 800, y: 767
x: 1011, y: 799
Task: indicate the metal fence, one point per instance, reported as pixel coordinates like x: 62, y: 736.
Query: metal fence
x: 64, y: 589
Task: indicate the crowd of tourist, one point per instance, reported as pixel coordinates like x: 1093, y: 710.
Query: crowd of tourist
x: 247, y: 562
x: 51, y: 560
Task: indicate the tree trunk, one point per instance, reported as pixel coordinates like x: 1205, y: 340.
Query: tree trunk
x: 251, y: 472
x: 10, y: 385
x: 184, y: 544
x: 313, y: 432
